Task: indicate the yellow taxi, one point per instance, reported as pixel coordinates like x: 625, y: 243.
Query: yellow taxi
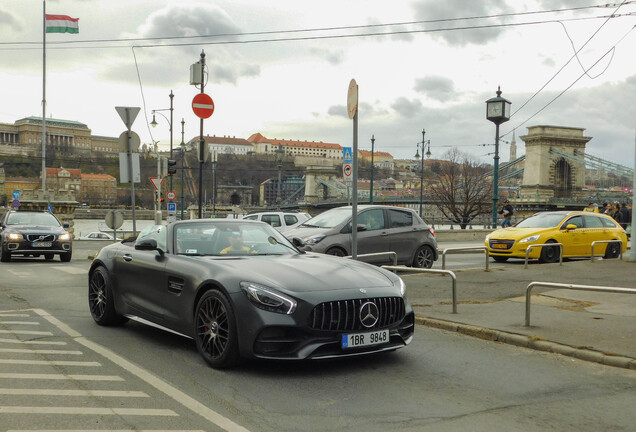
x: 575, y: 230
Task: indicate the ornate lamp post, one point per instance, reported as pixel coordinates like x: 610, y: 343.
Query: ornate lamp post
x: 371, y: 186
x: 182, y: 147
x: 154, y: 123
x: 497, y: 111
x: 422, y: 145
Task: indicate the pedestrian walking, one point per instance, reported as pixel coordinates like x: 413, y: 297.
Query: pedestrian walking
x: 507, y: 213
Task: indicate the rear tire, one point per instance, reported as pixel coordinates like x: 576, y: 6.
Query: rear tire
x: 424, y: 257
x: 549, y: 254
x: 499, y: 259
x: 613, y: 250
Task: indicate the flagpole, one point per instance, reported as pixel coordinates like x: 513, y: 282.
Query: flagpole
x: 44, y: 194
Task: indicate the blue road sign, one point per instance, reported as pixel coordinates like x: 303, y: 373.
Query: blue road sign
x: 50, y: 208
x: 347, y: 155
x: 16, y: 194
x: 172, y: 207
x: 16, y: 203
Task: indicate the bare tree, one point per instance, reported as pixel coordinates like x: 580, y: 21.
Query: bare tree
x: 462, y: 189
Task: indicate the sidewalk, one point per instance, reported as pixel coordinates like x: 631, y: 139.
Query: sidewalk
x: 593, y: 326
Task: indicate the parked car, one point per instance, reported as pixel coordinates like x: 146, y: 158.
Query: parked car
x: 380, y: 229
x: 34, y: 233
x: 282, y: 221
x: 241, y: 290
x: 575, y: 230
x: 98, y: 235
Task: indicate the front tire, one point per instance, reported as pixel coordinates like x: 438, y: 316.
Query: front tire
x: 65, y: 257
x: 336, y: 251
x: 6, y: 256
x: 100, y: 299
x: 549, y: 254
x: 424, y: 257
x: 215, y: 330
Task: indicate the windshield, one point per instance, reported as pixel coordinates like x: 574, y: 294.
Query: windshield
x: 218, y: 238
x: 330, y: 218
x: 40, y: 219
x: 542, y: 220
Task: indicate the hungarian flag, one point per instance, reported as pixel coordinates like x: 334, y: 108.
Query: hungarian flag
x: 61, y: 24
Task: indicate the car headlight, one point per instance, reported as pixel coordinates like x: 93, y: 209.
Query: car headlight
x: 268, y: 299
x: 488, y: 237
x: 402, y: 287
x: 311, y: 240
x: 530, y: 239
x: 65, y: 236
x: 14, y: 236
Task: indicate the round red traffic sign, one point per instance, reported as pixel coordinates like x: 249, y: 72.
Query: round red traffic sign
x: 171, y: 195
x: 347, y: 170
x: 202, y: 105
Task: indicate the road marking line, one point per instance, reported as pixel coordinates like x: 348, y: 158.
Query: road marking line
x: 71, y: 270
x: 103, y: 430
x: 26, y: 332
x: 61, y: 377
x: 179, y: 396
x: 36, y: 351
x: 49, y: 362
x: 14, y: 273
x: 33, y: 323
x: 13, y: 315
x: 60, y: 392
x: 87, y: 411
x: 15, y: 341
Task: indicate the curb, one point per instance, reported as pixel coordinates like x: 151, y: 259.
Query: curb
x: 529, y: 342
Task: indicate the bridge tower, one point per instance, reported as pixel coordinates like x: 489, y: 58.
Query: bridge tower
x: 320, y: 183
x: 548, y: 174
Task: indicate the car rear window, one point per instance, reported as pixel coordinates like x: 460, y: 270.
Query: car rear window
x: 608, y: 223
x: 400, y: 218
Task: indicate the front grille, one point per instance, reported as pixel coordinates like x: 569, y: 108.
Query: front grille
x: 344, y: 315
x: 507, y: 243
x: 40, y: 237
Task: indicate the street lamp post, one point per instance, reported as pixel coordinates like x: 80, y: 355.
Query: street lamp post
x: 154, y: 124
x: 497, y: 111
x: 371, y: 186
x: 182, y: 147
x: 422, y: 146
x: 279, y: 158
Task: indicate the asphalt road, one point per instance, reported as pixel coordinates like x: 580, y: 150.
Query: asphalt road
x: 151, y: 379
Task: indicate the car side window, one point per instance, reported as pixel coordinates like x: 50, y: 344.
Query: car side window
x: 290, y: 219
x: 372, y: 219
x: 273, y: 220
x: 157, y: 232
x: 593, y: 222
x: 608, y: 223
x: 575, y: 220
x: 400, y: 218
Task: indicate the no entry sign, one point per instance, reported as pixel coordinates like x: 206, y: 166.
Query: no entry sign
x: 202, y: 105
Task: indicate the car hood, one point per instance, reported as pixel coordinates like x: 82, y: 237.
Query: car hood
x: 34, y: 229
x: 308, y: 272
x: 305, y: 232
x: 517, y: 233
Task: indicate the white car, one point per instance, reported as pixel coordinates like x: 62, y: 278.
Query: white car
x: 281, y: 221
x: 97, y: 235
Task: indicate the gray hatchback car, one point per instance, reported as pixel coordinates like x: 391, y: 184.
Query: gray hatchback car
x: 380, y: 229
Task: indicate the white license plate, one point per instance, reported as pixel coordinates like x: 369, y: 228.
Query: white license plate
x: 357, y: 340
x: 42, y: 244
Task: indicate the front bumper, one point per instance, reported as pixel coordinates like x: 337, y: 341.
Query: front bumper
x: 512, y: 248
x: 25, y: 247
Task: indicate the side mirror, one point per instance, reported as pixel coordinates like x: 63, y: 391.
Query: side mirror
x: 148, y: 245
x: 362, y: 227
x: 570, y: 227
x: 298, y: 242
x: 66, y: 225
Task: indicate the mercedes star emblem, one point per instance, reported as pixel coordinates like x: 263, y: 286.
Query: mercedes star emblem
x: 369, y: 314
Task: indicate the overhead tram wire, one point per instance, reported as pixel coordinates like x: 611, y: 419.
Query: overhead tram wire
x: 74, y: 44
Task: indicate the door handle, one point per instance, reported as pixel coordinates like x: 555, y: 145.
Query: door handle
x: 128, y: 258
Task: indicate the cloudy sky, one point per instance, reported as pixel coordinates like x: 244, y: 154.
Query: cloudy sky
x: 282, y: 68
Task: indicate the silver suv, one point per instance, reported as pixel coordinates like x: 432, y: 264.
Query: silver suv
x: 380, y: 229
x: 281, y: 221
